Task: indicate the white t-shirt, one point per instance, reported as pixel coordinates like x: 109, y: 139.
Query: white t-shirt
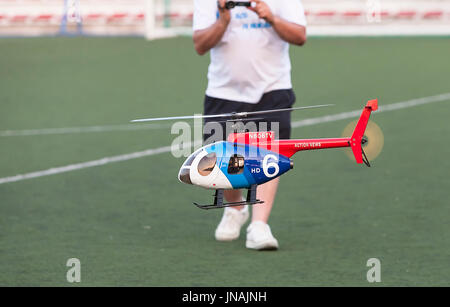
x: 250, y: 59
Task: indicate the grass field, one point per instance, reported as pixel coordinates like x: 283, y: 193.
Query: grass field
x: 132, y: 223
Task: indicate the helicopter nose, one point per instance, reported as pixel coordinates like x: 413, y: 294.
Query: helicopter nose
x: 184, y: 175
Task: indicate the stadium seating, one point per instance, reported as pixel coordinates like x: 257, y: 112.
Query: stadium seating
x: 107, y: 15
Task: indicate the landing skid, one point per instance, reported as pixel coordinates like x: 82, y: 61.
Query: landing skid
x: 224, y: 205
x: 218, y: 200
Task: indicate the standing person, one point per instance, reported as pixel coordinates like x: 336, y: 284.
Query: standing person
x: 250, y: 70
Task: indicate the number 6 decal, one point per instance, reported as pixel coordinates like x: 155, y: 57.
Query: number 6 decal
x: 267, y: 165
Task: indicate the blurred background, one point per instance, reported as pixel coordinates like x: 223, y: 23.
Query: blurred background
x: 156, y: 18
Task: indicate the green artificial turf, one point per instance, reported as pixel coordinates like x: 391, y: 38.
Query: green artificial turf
x: 132, y: 223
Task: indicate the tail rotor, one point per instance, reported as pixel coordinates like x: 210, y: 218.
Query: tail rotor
x: 366, y: 137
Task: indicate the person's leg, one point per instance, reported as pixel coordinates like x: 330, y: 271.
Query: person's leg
x: 219, y: 106
x: 267, y: 193
x: 233, y: 196
x: 273, y: 100
x: 233, y: 217
x: 259, y: 234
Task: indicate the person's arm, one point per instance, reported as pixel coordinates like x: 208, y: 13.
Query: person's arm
x: 206, y: 39
x: 288, y: 31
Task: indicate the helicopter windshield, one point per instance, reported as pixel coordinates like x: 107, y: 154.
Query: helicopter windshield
x: 207, y: 163
x: 191, y: 158
x: 184, y: 175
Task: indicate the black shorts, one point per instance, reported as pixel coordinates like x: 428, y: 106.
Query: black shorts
x: 279, y: 99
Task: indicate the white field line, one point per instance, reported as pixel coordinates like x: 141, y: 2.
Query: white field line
x: 134, y: 127
x: 155, y: 151
x: 382, y: 108
x: 70, y: 130
x: 77, y: 166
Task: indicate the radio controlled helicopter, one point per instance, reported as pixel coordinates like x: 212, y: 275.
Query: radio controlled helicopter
x: 248, y: 159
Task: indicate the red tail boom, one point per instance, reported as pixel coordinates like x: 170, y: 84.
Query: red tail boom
x: 289, y: 147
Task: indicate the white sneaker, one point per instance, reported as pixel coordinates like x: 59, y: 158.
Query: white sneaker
x: 260, y: 237
x: 230, y: 226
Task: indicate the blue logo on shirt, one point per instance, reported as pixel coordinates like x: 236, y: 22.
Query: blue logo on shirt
x: 256, y: 25
x: 253, y: 25
x: 241, y: 15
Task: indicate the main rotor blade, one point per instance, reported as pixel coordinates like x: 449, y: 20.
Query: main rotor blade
x: 179, y: 117
x: 236, y: 115
x: 287, y: 109
x: 169, y: 118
